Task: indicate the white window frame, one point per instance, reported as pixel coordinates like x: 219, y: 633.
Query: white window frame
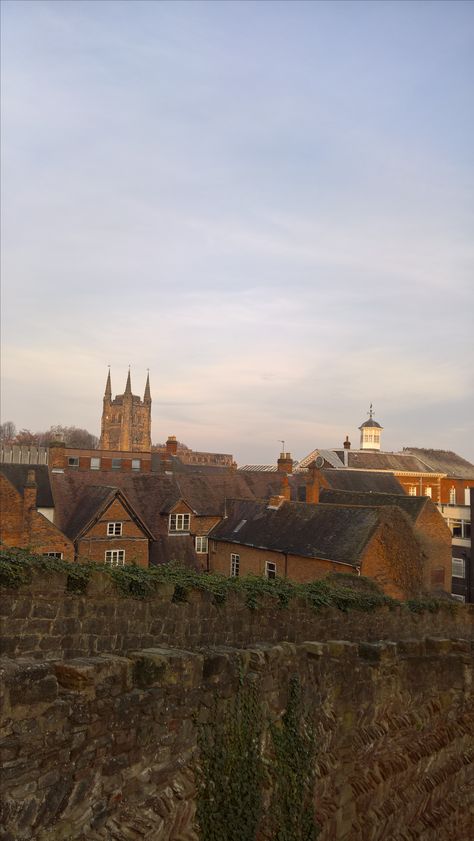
x: 58, y: 555
x: 234, y: 565
x: 73, y: 461
x: 114, y: 529
x: 429, y: 492
x: 116, y: 464
x: 458, y: 567
x: 95, y: 463
x: 270, y: 570
x: 201, y: 544
x: 412, y: 490
x: 115, y: 557
x: 136, y: 464
x: 179, y: 523
x: 458, y: 597
x: 452, y: 495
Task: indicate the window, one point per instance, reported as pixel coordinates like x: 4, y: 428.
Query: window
x: 201, y: 545
x: 53, y: 555
x: 180, y: 522
x: 234, y: 565
x: 459, y: 567
x: 452, y: 496
x: 270, y: 569
x: 114, y: 529
x: 412, y: 490
x: 136, y: 464
x: 460, y: 528
x: 428, y: 492
x: 95, y: 463
x: 115, y: 557
x: 73, y: 461
x: 458, y: 597
x: 116, y: 463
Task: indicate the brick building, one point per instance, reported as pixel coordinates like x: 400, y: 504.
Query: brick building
x: 27, y: 510
x: 304, y: 542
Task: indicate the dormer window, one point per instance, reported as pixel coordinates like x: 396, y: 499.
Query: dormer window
x: 179, y: 523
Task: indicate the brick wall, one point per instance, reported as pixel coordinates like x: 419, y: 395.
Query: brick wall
x: 21, y: 525
x: 133, y: 540
x: 105, y: 747
x: 252, y: 561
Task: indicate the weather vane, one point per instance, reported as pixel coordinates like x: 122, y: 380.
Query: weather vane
x: 371, y: 411
x: 282, y: 444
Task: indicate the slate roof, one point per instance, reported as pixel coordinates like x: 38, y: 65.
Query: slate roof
x: 411, y: 505
x: 333, y: 532
x: 17, y: 474
x: 370, y: 422
x: 370, y: 460
x: 362, y: 480
x: 331, y: 457
x: 443, y: 461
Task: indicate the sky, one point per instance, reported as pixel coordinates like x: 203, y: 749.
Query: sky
x: 270, y: 205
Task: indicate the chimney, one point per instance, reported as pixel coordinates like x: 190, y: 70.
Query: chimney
x: 57, y: 456
x: 29, y: 504
x: 285, y: 463
x: 314, y: 484
x: 171, y: 445
x: 275, y: 501
x: 347, y: 446
x: 285, y: 491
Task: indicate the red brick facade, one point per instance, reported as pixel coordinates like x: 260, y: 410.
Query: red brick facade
x: 132, y: 540
x: 22, y: 526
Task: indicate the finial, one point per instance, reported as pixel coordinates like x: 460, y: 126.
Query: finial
x: 128, y: 387
x: 282, y: 444
x: 147, y: 395
x: 371, y: 411
x: 108, y: 385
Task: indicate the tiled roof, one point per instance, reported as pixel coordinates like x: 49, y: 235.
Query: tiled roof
x: 443, y: 461
x: 153, y: 495
x: 17, y: 474
x: 411, y: 505
x: 334, y: 532
x: 370, y: 423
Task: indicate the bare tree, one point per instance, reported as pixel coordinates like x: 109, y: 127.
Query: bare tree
x: 7, y: 432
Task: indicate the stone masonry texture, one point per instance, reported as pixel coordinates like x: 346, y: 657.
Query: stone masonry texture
x: 102, y: 697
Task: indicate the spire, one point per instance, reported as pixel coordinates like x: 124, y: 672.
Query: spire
x: 108, y: 387
x: 128, y: 387
x: 147, y: 395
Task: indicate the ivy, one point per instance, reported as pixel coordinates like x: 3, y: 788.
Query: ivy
x: 293, y: 772
x: 230, y: 772
x: 344, y: 592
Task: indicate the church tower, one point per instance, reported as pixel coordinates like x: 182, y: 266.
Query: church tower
x: 370, y: 433
x: 126, y: 419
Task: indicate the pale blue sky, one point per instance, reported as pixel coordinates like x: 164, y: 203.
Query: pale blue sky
x: 268, y: 204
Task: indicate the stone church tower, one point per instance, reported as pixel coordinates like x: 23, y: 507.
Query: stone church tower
x: 126, y: 420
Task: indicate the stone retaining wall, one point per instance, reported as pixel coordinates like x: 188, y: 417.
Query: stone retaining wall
x: 102, y: 748
x: 45, y: 622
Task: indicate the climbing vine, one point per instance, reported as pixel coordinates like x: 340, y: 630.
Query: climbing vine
x: 291, y: 815
x: 234, y: 770
x: 230, y: 772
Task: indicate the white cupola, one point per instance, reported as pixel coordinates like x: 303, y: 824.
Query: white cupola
x: 370, y: 433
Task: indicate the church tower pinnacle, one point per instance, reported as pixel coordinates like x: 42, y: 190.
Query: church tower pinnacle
x: 126, y: 419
